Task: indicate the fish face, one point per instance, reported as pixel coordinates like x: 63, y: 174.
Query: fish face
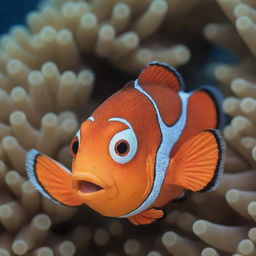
x: 113, y: 168
x: 110, y: 174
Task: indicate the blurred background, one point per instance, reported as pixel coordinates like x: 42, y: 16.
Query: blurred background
x: 13, y: 12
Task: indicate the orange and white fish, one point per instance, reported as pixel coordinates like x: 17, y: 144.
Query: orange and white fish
x: 141, y: 148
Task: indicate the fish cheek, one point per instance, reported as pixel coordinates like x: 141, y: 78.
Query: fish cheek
x: 134, y: 180
x: 74, y: 165
x: 130, y: 189
x: 132, y: 184
x: 150, y: 169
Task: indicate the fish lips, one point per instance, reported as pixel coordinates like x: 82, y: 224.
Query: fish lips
x: 89, y: 186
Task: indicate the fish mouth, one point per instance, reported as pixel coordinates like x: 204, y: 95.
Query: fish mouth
x: 88, y: 187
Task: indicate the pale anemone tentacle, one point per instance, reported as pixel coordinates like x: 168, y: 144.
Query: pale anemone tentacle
x: 32, y: 48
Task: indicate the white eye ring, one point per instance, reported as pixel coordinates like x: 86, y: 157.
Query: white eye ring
x: 127, y: 136
x: 78, y: 135
x: 76, y: 138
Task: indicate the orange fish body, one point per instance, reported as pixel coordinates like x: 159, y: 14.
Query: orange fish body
x: 140, y: 149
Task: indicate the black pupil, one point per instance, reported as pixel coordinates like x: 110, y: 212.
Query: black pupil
x: 75, y: 147
x: 122, y: 148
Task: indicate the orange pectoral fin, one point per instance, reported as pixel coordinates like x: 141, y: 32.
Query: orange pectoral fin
x: 199, y: 162
x: 146, y: 217
x: 51, y: 179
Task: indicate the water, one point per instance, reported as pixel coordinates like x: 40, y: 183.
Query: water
x: 13, y: 12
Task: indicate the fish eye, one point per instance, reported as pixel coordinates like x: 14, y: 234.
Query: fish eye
x: 123, y: 146
x: 74, y: 145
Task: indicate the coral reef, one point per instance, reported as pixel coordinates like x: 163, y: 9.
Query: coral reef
x: 47, y: 73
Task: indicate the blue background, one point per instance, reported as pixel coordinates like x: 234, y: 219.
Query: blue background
x: 13, y: 12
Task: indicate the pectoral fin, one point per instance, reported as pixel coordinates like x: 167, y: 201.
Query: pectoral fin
x: 146, y: 217
x: 198, y: 164
x: 51, y: 179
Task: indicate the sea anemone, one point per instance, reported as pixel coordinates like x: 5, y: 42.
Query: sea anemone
x: 48, y: 70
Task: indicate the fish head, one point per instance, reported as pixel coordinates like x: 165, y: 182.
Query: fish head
x: 114, y: 154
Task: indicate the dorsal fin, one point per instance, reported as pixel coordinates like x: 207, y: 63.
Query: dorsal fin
x: 161, y: 73
x: 129, y: 85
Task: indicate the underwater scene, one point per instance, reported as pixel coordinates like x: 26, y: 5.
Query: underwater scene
x: 128, y: 128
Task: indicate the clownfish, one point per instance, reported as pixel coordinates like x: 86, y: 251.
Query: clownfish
x: 139, y: 150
